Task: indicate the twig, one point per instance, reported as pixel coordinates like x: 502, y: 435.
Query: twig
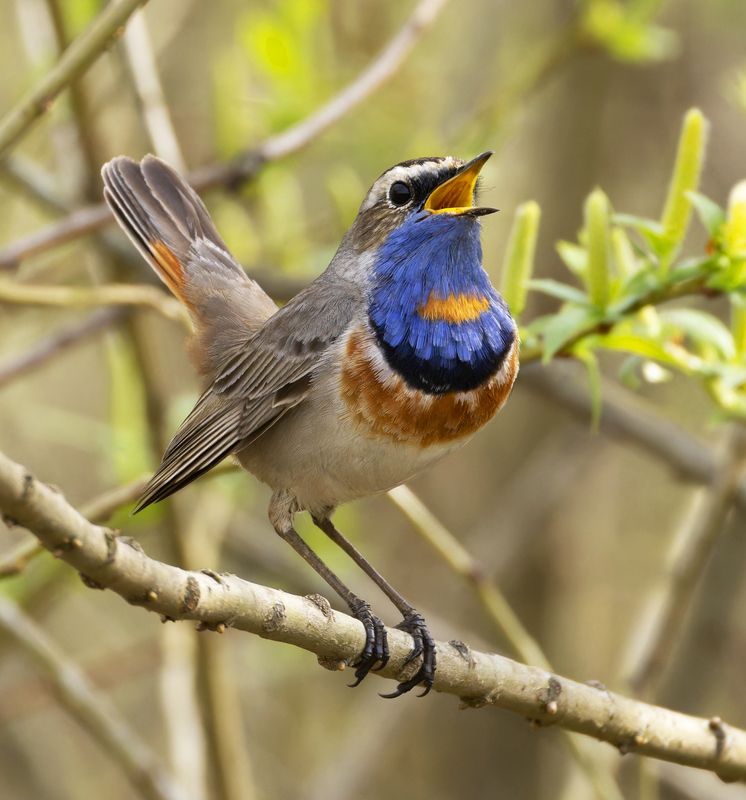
x: 91, y: 708
x: 34, y: 182
x: 660, y: 623
x: 111, y: 294
x: 58, y: 342
x: 478, y: 678
x: 656, y: 296
x: 228, y: 755
x: 463, y: 563
x: 147, y: 82
x: 73, y: 62
x: 382, y: 68
x: 500, y: 612
x: 82, y: 116
x: 249, y: 164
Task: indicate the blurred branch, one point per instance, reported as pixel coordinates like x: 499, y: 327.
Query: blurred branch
x: 83, y: 115
x: 464, y: 564
x: 624, y: 416
x: 228, y: 754
x: 111, y: 294
x: 90, y: 708
x: 661, y: 621
x: 147, y: 82
x: 248, y: 165
x: 73, y: 62
x: 500, y: 612
x: 219, y: 601
x: 381, y: 69
x: 34, y: 182
x: 536, y: 66
x: 58, y: 342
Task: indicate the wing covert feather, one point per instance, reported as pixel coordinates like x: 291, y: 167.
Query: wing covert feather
x: 268, y: 375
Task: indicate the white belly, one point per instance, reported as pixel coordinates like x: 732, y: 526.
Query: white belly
x: 325, y: 458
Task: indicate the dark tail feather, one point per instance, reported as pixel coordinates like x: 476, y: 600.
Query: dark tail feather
x: 172, y: 229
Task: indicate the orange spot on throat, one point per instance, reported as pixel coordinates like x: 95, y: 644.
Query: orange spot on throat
x: 454, y: 308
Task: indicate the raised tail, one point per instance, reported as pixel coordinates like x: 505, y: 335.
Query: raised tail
x: 172, y: 229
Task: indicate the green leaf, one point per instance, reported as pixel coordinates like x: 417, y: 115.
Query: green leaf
x: 738, y: 324
x: 643, y: 346
x: 588, y: 359
x: 599, y: 247
x: 628, y: 373
x: 651, y: 230
x: 710, y: 214
x: 519, y: 256
x: 574, y: 257
x: 625, y: 260
x: 564, y: 326
x: 702, y: 328
x: 562, y: 291
x: 685, y: 179
x: 734, y: 232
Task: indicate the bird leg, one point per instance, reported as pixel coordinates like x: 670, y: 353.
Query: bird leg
x: 413, y: 622
x: 376, y: 649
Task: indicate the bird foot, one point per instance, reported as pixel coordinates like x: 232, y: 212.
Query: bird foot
x: 424, y: 645
x: 376, y: 650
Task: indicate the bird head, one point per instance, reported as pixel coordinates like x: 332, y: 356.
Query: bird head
x: 417, y: 191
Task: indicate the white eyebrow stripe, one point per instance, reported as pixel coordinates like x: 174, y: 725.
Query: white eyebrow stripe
x: 404, y: 173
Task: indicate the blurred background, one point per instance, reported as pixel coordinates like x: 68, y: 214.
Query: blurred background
x: 574, y: 526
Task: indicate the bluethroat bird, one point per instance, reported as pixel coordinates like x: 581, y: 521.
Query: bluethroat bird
x: 393, y: 357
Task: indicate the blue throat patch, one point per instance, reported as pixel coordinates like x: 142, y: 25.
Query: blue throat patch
x: 438, y: 320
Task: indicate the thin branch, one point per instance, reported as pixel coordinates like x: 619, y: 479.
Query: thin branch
x: 58, y: 342
x: 478, y: 678
x: 228, y: 754
x: 34, y: 182
x: 660, y: 623
x: 656, y: 296
x: 73, y: 62
x: 91, y: 708
x: 464, y: 564
x: 147, y: 82
x: 110, y: 294
x: 500, y: 612
x: 627, y: 418
x: 247, y: 166
x: 381, y: 69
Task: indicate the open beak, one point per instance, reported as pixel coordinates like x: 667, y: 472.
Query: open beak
x: 456, y: 195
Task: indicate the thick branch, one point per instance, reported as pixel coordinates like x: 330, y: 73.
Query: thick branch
x: 478, y: 678
x: 73, y: 62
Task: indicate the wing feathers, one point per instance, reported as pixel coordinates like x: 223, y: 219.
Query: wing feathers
x: 259, y: 364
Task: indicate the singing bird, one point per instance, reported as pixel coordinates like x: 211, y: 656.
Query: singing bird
x: 393, y: 357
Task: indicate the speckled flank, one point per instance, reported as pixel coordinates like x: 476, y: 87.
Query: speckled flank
x: 455, y: 308
x: 386, y: 407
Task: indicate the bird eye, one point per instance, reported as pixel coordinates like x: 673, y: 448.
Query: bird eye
x: 399, y: 193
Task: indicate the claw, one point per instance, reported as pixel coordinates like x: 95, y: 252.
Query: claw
x: 422, y: 645
x: 376, y: 650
